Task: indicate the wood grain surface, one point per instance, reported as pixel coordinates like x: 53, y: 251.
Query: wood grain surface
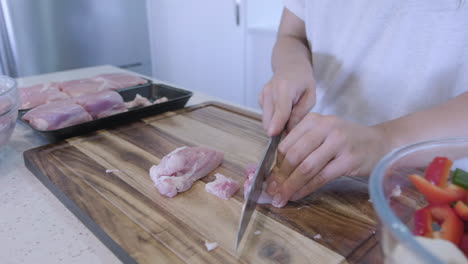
x: 127, y: 213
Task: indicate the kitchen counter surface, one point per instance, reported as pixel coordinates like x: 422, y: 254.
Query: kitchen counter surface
x: 34, y: 226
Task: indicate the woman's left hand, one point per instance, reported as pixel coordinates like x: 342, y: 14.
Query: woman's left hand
x: 320, y: 149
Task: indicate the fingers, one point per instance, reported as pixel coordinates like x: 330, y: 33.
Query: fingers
x: 283, y: 107
x: 268, y: 107
x: 300, y: 150
x: 274, y: 180
x: 294, y: 135
x: 306, y: 170
x: 301, y: 108
x: 333, y: 170
x: 260, y: 99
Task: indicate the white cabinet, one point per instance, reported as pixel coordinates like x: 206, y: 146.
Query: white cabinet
x: 198, y: 45
x: 213, y: 47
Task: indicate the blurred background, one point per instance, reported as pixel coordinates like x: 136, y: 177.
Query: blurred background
x: 219, y: 47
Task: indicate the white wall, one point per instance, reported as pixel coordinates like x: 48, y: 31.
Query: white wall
x: 200, y: 47
x: 263, y: 17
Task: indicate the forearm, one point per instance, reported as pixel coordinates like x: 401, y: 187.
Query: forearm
x: 449, y: 119
x: 291, y: 53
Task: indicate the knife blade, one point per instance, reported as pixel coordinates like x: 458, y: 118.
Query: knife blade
x: 255, y: 188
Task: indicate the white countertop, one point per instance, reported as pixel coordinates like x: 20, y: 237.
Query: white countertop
x: 34, y: 225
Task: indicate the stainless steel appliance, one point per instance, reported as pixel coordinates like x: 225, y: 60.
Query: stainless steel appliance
x: 40, y: 36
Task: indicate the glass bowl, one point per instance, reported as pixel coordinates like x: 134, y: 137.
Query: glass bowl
x: 395, y: 199
x: 8, y: 108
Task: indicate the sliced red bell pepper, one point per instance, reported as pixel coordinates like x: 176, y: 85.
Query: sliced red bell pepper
x: 464, y: 244
x: 422, y: 222
x: 435, y: 194
x: 462, y: 210
x: 451, y: 227
x: 438, y: 171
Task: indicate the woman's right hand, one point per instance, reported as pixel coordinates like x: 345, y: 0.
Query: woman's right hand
x: 286, y: 99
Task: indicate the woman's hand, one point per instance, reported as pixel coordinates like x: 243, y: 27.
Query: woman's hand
x: 320, y: 149
x: 286, y: 99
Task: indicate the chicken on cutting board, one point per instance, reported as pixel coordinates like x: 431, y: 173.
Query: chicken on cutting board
x: 223, y: 187
x: 264, y: 197
x: 179, y: 169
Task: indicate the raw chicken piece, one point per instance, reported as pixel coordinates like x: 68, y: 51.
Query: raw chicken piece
x: 138, y: 102
x: 5, y: 105
x: 121, y: 80
x: 102, y: 104
x: 8, y: 115
x: 32, y: 96
x: 161, y: 100
x: 223, y: 187
x: 77, y: 88
x: 55, y: 115
x: 179, y: 169
x: 264, y: 197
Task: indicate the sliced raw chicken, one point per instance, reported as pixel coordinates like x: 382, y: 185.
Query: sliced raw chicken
x: 139, y: 101
x: 102, y: 104
x: 179, y: 169
x: 32, y: 96
x: 5, y: 105
x: 77, y: 88
x: 264, y: 198
x: 160, y: 100
x: 223, y: 187
x: 121, y: 80
x: 56, y: 115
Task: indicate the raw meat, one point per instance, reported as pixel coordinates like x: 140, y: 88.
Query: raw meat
x: 138, y: 102
x: 77, y: 88
x: 178, y: 170
x: 102, y: 104
x: 56, y: 115
x: 103, y: 82
x: 8, y: 115
x: 264, y: 198
x: 5, y: 105
x: 160, y: 100
x: 32, y: 96
x: 222, y: 187
x: 120, y: 80
x: 210, y: 245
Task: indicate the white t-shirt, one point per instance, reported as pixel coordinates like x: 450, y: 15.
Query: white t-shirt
x: 378, y: 60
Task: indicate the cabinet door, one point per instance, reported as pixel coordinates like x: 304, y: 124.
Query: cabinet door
x: 198, y: 45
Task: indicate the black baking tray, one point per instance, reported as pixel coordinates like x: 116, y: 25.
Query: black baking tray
x: 177, y: 98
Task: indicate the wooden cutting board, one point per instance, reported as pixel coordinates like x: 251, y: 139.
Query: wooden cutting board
x: 334, y: 225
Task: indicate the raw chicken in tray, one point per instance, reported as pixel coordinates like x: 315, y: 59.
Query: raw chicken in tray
x: 102, y: 104
x: 56, y: 115
x: 106, y: 108
x: 39, y: 94
x: 103, y: 82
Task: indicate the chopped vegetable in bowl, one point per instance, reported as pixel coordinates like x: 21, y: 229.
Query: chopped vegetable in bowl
x: 446, y: 214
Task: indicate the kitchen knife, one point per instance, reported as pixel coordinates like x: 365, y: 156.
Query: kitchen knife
x: 255, y: 188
